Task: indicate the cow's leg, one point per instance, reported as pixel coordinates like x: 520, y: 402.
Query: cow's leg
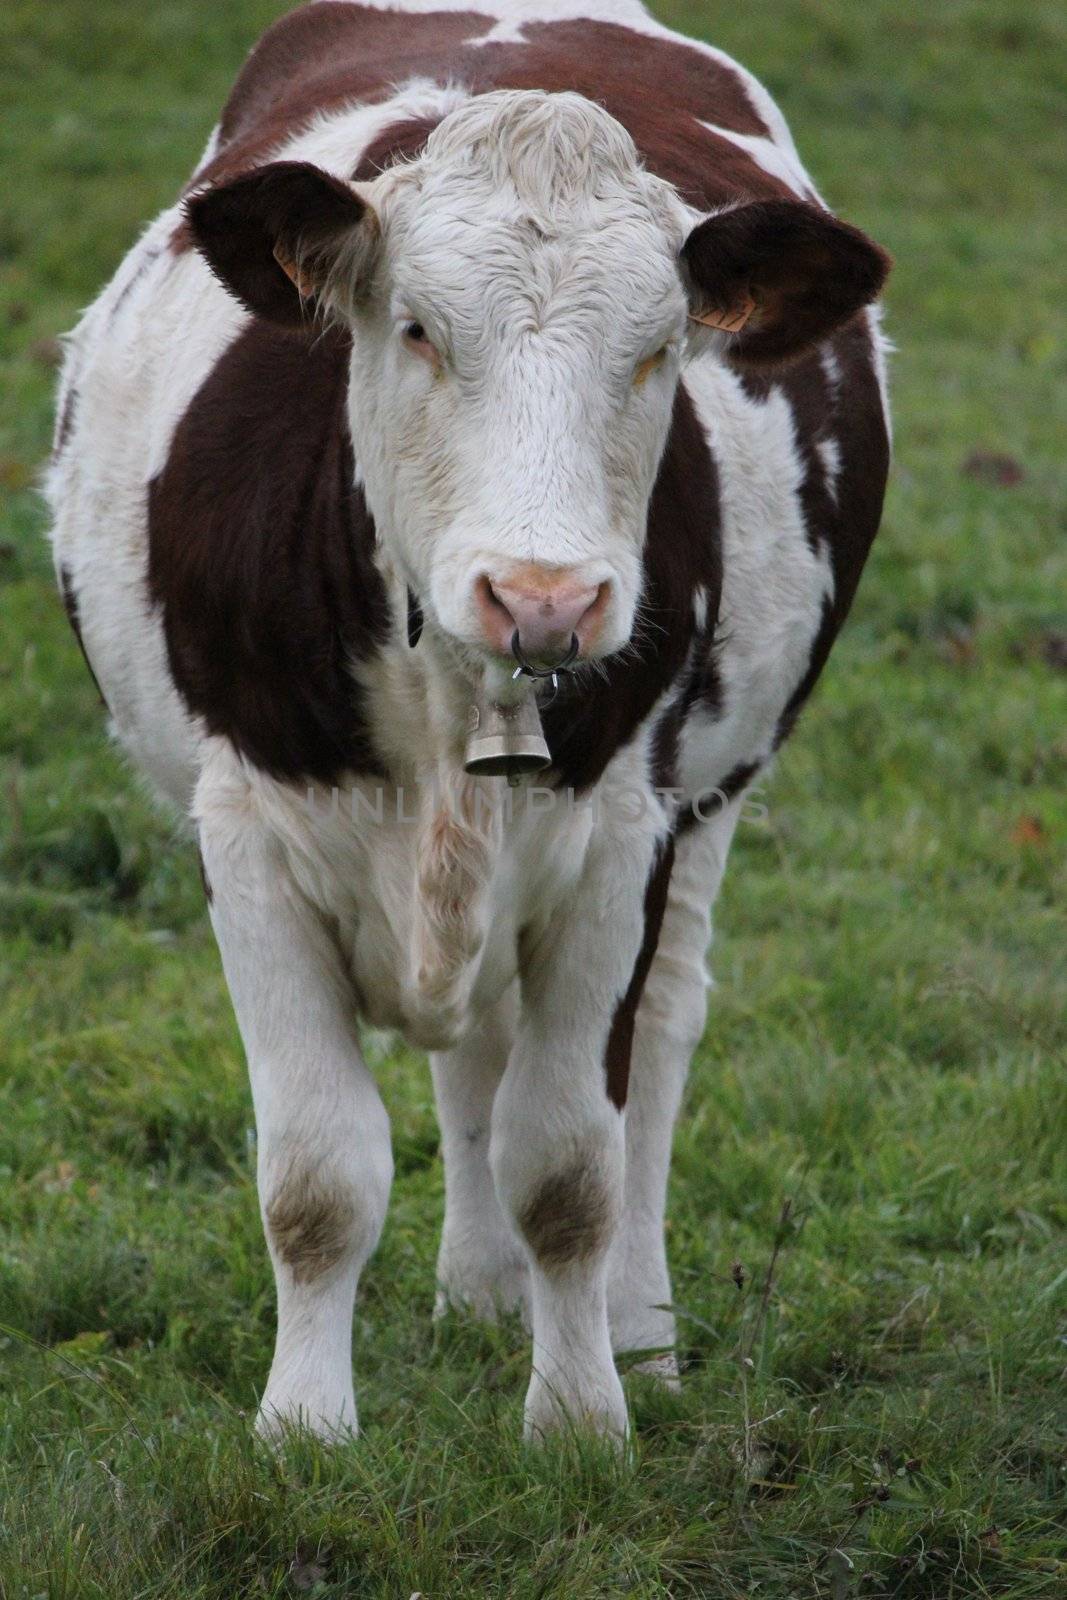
x: 670, y: 1022
x: 324, y: 1159
x: 557, y: 1149
x: 481, y: 1264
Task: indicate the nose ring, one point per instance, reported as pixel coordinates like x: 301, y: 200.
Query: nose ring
x: 527, y: 669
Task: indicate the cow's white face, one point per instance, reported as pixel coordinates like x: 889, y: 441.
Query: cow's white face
x: 514, y: 368
x: 517, y: 311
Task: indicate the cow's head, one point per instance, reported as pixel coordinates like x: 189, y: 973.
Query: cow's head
x: 520, y: 300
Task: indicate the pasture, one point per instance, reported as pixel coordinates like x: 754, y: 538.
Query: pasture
x: 869, y: 1199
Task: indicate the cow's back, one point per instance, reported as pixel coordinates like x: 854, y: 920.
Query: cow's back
x: 698, y: 119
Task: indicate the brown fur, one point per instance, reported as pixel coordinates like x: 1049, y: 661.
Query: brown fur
x: 569, y: 1217
x: 848, y: 527
x: 310, y: 1224
x: 621, y: 1037
x: 595, y: 714
x: 70, y: 604
x: 325, y: 57
x: 261, y: 557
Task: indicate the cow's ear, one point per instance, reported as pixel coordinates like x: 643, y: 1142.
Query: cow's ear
x: 283, y: 235
x: 779, y: 275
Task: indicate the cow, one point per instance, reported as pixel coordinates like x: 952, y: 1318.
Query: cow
x: 501, y: 383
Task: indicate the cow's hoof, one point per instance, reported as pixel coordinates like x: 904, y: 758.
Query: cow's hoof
x: 662, y: 1369
x: 483, y: 1291
x: 600, y: 1411
x: 645, y: 1339
x: 280, y: 1418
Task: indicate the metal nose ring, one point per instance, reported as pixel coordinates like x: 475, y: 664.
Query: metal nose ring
x: 527, y: 669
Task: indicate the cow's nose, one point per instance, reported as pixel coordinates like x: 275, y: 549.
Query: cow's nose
x: 546, y: 608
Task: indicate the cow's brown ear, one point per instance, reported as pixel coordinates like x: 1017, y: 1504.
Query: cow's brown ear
x: 778, y: 276
x: 275, y: 237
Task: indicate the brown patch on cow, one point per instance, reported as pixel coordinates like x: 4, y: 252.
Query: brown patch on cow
x: 661, y: 90
x: 713, y: 802
x: 621, y: 1037
x: 261, y: 556
x: 325, y: 58
x: 70, y: 604
x: 817, y: 415
x: 592, y: 716
x: 310, y: 1225
x: 738, y: 778
x: 845, y: 521
x: 569, y: 1217
x: 855, y: 417
x: 400, y: 141
x: 65, y: 425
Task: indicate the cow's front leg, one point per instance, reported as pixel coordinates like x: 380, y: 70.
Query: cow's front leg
x: 324, y: 1159
x: 670, y: 1023
x: 558, y: 1141
x: 481, y: 1265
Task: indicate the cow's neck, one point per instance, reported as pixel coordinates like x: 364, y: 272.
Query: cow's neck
x: 418, y: 698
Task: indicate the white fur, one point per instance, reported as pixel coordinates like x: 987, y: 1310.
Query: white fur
x: 670, y: 1023
x: 883, y: 349
x: 481, y: 1264
x: 134, y: 369
x: 766, y: 153
x: 331, y: 138
x: 427, y: 909
x: 774, y: 585
x: 830, y: 456
x: 507, y: 241
x: 319, y: 1116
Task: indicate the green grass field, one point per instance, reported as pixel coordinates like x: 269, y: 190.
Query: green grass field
x: 888, y: 1044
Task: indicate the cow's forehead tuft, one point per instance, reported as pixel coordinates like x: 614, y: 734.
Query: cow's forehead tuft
x: 545, y: 145
x: 539, y: 164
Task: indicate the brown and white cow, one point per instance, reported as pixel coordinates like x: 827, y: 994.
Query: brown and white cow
x: 522, y: 318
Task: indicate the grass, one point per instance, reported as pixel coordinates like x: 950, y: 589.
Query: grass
x: 888, y: 1046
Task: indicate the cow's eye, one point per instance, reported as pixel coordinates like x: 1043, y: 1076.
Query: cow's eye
x: 418, y: 342
x: 649, y: 364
